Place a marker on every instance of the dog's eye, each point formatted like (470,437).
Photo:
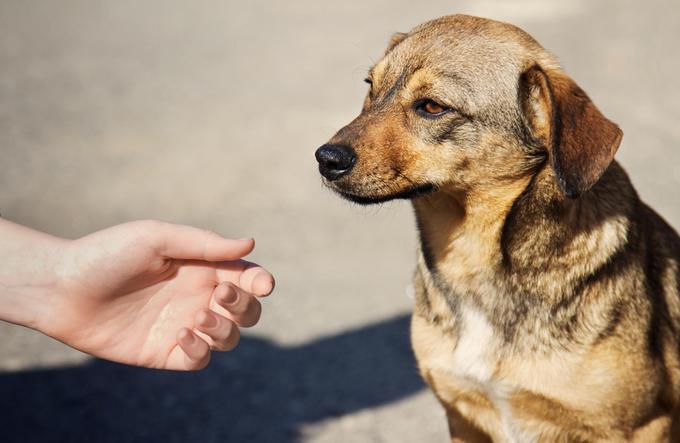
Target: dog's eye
(369,81)
(430,108)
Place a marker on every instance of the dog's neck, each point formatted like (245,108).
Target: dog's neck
(489,246)
(460,232)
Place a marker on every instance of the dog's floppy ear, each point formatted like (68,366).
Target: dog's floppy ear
(559,115)
(396,38)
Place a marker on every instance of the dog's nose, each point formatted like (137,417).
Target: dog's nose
(335,160)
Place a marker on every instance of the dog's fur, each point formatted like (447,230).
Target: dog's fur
(547,303)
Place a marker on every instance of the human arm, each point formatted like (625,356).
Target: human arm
(144,293)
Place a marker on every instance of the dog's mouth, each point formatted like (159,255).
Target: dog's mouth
(411,192)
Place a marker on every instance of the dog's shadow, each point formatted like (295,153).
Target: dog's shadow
(260,392)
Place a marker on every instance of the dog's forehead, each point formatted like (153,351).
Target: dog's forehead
(471,74)
(464,55)
(473,32)
(483,57)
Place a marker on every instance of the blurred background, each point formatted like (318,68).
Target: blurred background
(208,113)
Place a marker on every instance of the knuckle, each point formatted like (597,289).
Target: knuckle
(210,233)
(146,225)
(146,231)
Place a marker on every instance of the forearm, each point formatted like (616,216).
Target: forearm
(28,264)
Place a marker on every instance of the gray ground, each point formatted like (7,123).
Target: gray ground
(208,113)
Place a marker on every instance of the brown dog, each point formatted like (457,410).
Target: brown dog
(547,292)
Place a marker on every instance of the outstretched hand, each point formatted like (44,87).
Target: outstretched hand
(155,294)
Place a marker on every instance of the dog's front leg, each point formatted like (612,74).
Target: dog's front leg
(462,430)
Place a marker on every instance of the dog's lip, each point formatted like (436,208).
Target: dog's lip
(408,193)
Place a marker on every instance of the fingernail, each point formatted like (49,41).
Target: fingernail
(187,337)
(208,320)
(230,296)
(245,239)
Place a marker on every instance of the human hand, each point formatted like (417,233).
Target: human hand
(154,294)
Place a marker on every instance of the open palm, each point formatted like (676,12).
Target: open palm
(156,295)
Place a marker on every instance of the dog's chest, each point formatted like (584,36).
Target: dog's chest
(471,357)
(465,364)
(476,351)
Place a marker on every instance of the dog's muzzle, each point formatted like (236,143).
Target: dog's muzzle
(335,160)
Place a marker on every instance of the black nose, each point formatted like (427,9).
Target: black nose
(335,160)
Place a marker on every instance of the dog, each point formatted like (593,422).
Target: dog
(547,294)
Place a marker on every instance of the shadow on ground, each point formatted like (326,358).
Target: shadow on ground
(259,393)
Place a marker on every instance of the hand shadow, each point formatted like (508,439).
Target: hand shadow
(260,392)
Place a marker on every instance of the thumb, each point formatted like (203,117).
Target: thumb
(187,242)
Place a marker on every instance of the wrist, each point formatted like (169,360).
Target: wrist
(29,277)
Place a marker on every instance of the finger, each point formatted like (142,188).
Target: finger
(222,333)
(250,277)
(196,350)
(187,242)
(243,308)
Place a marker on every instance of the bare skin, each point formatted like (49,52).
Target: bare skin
(144,293)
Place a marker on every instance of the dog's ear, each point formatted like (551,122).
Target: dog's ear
(396,38)
(560,116)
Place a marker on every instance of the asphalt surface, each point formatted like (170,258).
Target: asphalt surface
(208,113)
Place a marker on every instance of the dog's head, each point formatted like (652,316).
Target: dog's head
(462,102)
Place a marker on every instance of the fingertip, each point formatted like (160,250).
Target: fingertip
(191,243)
(196,350)
(231,336)
(197,365)
(234,249)
(263,284)
(248,243)
(225,294)
(184,337)
(252,314)
(205,320)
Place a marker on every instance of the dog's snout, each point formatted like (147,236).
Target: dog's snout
(335,160)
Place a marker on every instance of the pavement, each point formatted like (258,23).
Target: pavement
(208,113)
